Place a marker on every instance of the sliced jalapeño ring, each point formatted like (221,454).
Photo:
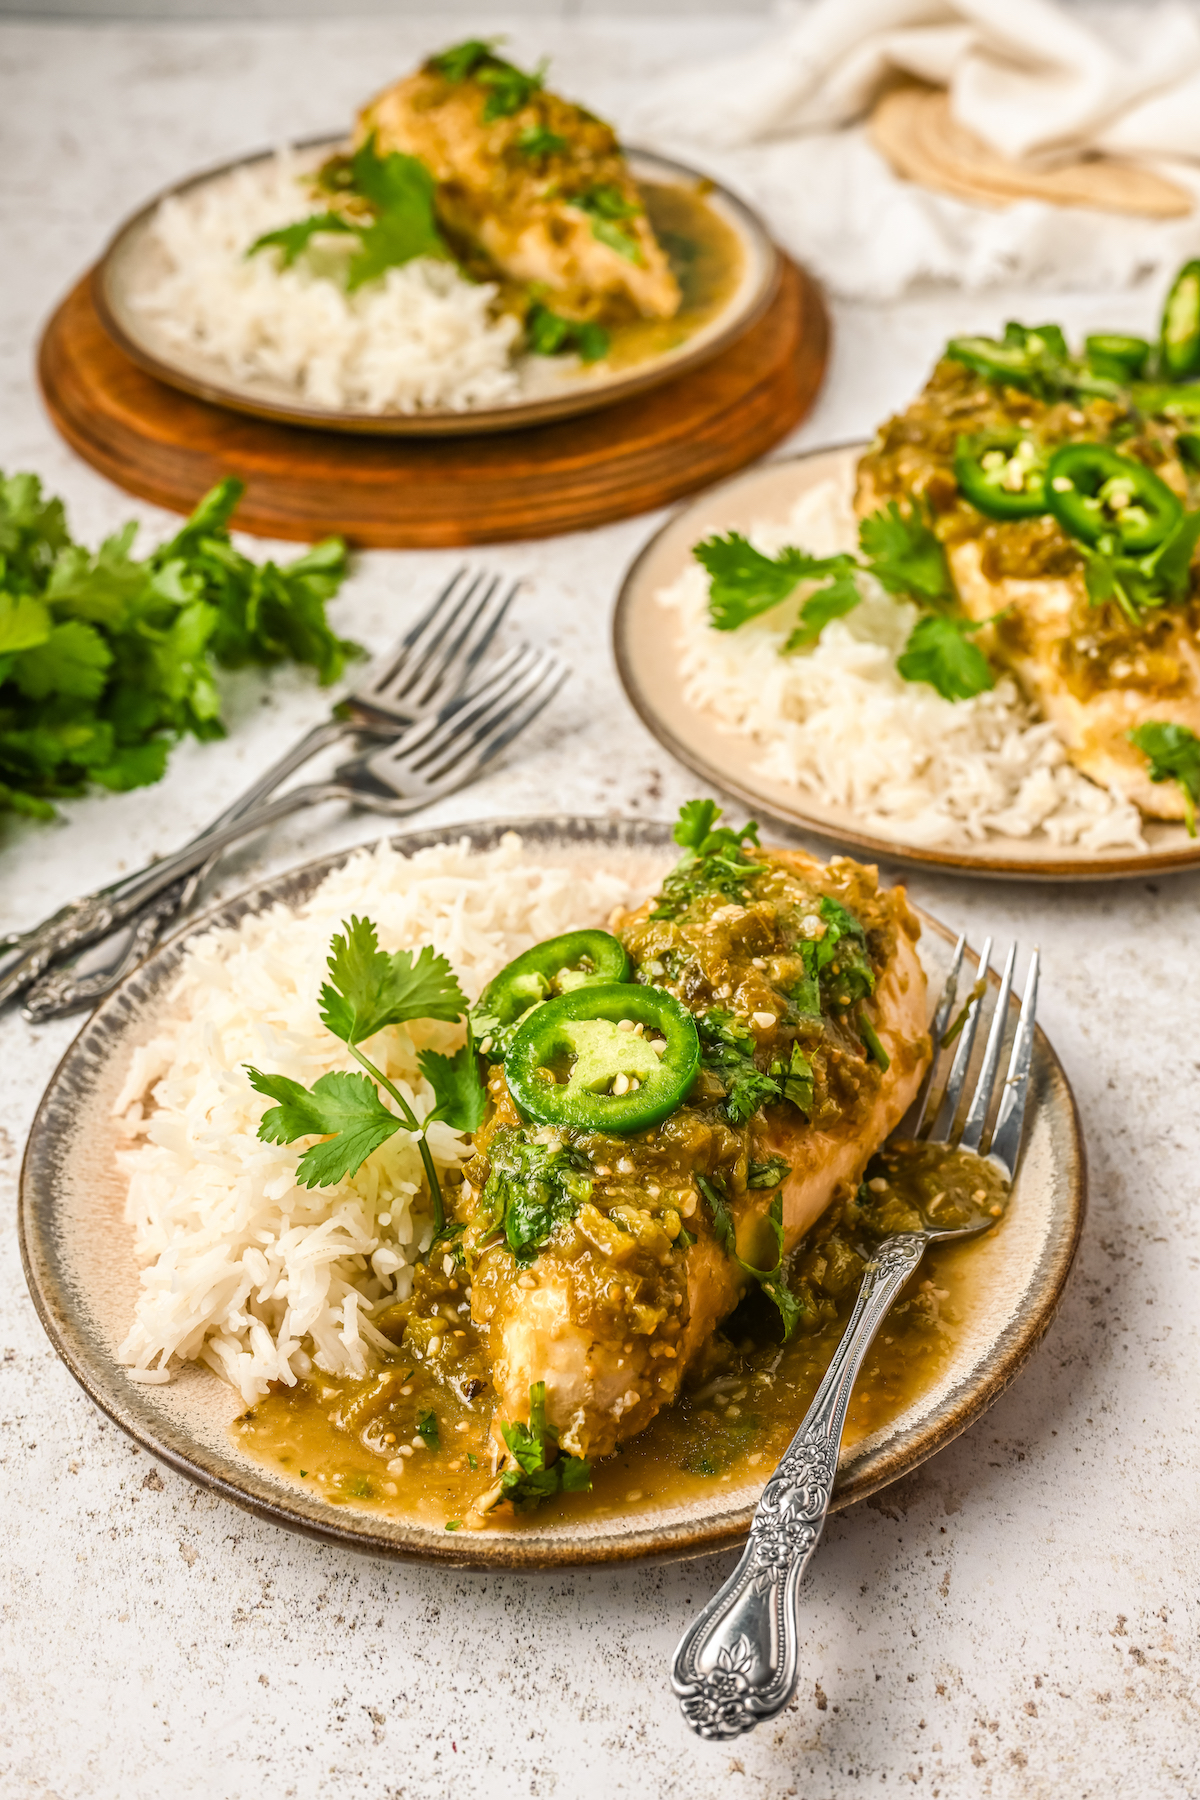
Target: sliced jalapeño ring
(556,966)
(581,1062)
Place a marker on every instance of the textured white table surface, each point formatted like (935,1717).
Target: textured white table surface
(1018,1618)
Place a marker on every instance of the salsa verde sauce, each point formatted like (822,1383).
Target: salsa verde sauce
(413,1438)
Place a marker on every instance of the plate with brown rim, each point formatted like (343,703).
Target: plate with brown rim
(726,264)
(77,1253)
(646,642)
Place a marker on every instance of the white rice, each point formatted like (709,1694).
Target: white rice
(842,724)
(422,336)
(241,1268)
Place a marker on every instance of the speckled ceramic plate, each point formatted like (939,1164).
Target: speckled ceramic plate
(733,287)
(80,1268)
(646,643)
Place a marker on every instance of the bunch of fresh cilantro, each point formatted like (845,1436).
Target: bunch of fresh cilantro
(367,991)
(901,550)
(105,660)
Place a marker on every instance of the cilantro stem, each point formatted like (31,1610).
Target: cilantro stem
(418,1130)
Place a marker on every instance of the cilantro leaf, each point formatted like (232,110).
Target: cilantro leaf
(509,88)
(539,140)
(549,334)
(839,597)
(293,240)
(459,1094)
(533,1478)
(427,1428)
(743,582)
(401,188)
(939,651)
(24,623)
(713,858)
(772,1281)
(1174,755)
(460,61)
(73,660)
(398,189)
(767,1174)
(606,205)
(344,1108)
(798,1082)
(727,1048)
(531,1189)
(904,554)
(368,988)
(696,820)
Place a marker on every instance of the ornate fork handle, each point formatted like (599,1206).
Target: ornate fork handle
(95,915)
(737,1664)
(63,989)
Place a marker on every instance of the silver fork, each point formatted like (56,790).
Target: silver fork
(437,658)
(431,758)
(737,1663)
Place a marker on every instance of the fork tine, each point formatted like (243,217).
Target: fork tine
(494,743)
(943,1125)
(379,680)
(981,1100)
(476,743)
(1010,1120)
(913,1119)
(431,735)
(447,670)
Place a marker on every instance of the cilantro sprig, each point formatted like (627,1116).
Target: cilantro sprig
(106,660)
(714,858)
(532,1478)
(1137,584)
(773,1281)
(397,191)
(1173,753)
(508,88)
(900,548)
(368,990)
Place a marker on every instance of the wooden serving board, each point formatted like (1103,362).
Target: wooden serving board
(392,493)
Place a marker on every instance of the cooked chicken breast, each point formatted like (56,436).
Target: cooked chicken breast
(568,219)
(616,1309)
(1089,671)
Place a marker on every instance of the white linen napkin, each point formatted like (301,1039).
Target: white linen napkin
(783,123)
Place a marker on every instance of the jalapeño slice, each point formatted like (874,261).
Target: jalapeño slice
(1002,473)
(1179,340)
(1116,355)
(557,966)
(1095,493)
(580,1062)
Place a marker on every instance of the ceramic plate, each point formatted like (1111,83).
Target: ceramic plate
(645,637)
(80,1268)
(727,288)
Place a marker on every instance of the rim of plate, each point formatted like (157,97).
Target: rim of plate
(754,295)
(1171,850)
(145,1413)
